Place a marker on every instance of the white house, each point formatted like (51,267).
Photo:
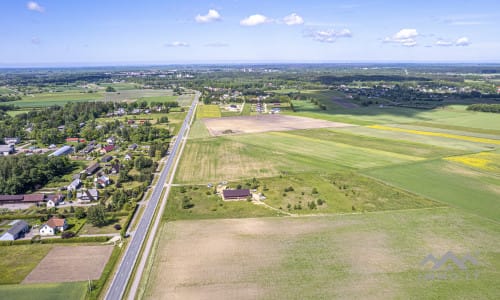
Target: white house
(53,226)
(102,181)
(128,156)
(54,200)
(87,196)
(74,185)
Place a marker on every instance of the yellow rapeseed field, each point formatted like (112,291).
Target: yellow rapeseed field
(484,160)
(439,134)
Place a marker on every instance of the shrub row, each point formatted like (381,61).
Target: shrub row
(85,239)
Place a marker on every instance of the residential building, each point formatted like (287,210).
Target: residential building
(132,147)
(11,140)
(107,158)
(53,226)
(7,149)
(74,185)
(87,196)
(102,181)
(128,156)
(53,200)
(111,140)
(90,170)
(231,195)
(64,150)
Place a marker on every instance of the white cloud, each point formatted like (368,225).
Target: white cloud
(444,43)
(217,45)
(330,35)
(463,41)
(254,20)
(32,5)
(293,19)
(405,37)
(177,44)
(211,16)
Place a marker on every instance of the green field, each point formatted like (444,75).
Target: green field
(48,291)
(449,183)
(356,256)
(209,206)
(208,111)
(198,130)
(18,261)
(159,99)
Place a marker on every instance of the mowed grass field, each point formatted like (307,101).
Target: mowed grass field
(19,260)
(48,291)
(208,111)
(357,256)
(270,154)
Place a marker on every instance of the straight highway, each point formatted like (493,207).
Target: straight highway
(124,272)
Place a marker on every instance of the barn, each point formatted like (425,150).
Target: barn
(234,195)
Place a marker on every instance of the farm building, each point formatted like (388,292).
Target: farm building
(34,198)
(19,199)
(64,150)
(90,170)
(234,195)
(16,231)
(53,226)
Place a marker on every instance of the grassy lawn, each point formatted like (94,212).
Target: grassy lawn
(46,291)
(209,206)
(208,111)
(448,182)
(88,228)
(339,193)
(170,98)
(18,261)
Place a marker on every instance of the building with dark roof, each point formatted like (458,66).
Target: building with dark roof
(92,169)
(232,195)
(15,232)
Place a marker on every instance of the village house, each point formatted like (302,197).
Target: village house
(53,200)
(11,140)
(90,170)
(7,149)
(74,185)
(107,149)
(102,181)
(132,147)
(17,231)
(107,158)
(115,169)
(111,140)
(128,156)
(87,196)
(53,226)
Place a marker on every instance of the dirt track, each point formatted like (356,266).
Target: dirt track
(263,123)
(71,263)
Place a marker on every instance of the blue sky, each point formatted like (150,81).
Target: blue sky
(55,32)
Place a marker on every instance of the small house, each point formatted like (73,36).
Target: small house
(234,195)
(87,196)
(111,140)
(115,169)
(107,158)
(128,156)
(11,140)
(107,149)
(53,200)
(16,231)
(102,181)
(132,147)
(53,226)
(74,185)
(90,170)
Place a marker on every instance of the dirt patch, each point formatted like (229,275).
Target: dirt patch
(344,103)
(71,263)
(264,123)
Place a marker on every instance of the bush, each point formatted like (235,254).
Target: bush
(67,234)
(118,226)
(314,191)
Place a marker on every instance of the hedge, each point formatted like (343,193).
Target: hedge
(83,239)
(125,226)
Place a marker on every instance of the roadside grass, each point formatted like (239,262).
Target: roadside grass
(209,206)
(19,260)
(88,228)
(208,111)
(340,192)
(46,291)
(447,182)
(198,130)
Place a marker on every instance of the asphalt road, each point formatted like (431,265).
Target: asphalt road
(122,275)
